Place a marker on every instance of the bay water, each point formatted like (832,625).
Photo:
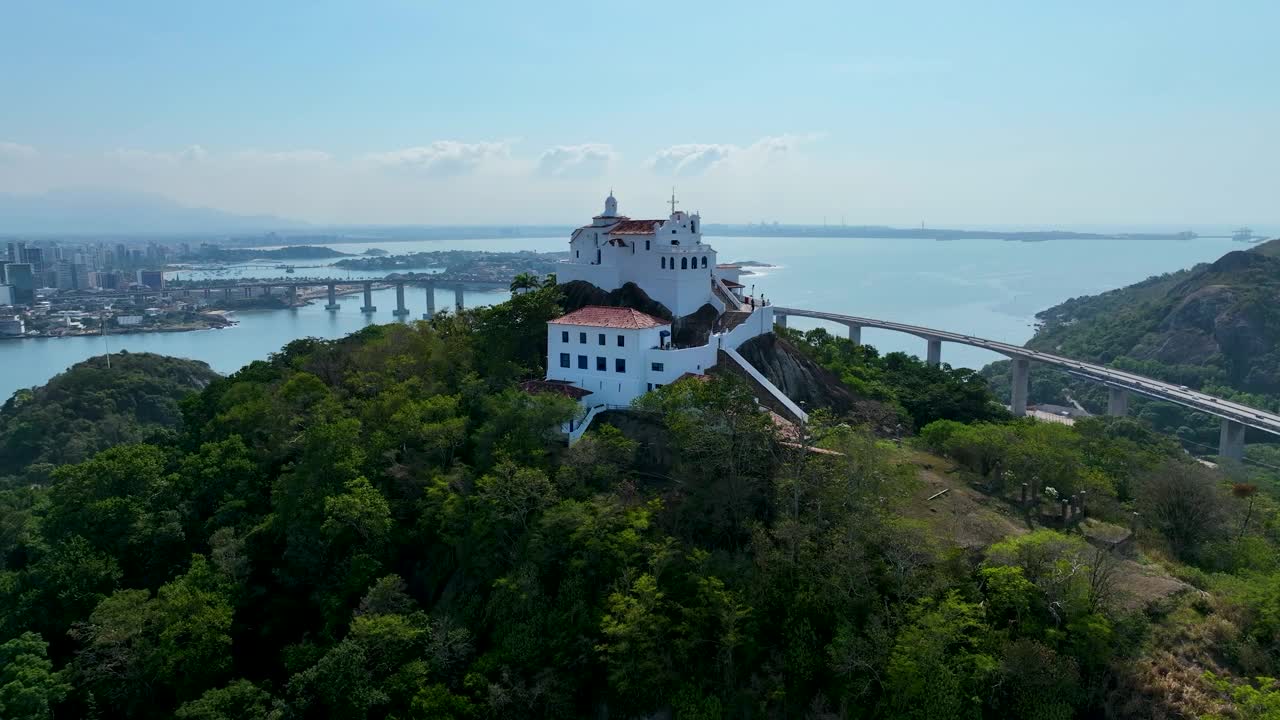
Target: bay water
(985,288)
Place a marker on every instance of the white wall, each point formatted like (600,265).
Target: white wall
(696,360)
(608,387)
(759,323)
(604,277)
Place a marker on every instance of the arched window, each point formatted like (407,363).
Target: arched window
(684,263)
(704,261)
(693,226)
(664,263)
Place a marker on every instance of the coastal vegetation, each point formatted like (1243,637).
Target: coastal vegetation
(385,526)
(500,265)
(228,254)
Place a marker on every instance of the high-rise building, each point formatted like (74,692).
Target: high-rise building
(19,275)
(6,295)
(81,273)
(33,256)
(105,280)
(153,279)
(64,276)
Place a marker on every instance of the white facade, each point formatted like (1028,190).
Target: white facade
(617,354)
(666,258)
(617,365)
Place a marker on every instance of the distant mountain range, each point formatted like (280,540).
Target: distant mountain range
(106,212)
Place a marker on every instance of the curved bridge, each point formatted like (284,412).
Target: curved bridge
(1235,417)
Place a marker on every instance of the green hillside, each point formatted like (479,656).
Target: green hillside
(1214,327)
(89,408)
(387,526)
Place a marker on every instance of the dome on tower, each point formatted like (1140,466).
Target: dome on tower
(610,206)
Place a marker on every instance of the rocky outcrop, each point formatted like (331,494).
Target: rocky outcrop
(579,294)
(688,331)
(814,387)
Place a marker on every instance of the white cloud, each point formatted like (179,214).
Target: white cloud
(442,157)
(282,157)
(186,156)
(697,158)
(14,152)
(689,159)
(588,160)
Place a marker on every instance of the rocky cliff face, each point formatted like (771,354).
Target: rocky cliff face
(814,387)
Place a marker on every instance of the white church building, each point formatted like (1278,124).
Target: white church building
(608,356)
(666,258)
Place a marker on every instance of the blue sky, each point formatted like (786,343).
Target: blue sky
(1009,113)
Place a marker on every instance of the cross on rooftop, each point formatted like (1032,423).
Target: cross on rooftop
(673,201)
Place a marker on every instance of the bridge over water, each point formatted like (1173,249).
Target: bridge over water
(290,287)
(1235,417)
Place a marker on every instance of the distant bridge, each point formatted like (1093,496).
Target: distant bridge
(266,288)
(1235,417)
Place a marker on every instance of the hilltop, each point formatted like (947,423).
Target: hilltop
(1223,317)
(1214,327)
(90,408)
(392,525)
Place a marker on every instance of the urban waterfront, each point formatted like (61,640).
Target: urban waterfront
(986,288)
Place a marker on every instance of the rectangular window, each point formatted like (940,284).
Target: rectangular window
(582,338)
(656,367)
(651,386)
(619,365)
(602,365)
(564,336)
(646,244)
(622,341)
(564,359)
(601,339)
(582,362)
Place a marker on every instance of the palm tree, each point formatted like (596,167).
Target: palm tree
(549,281)
(524,282)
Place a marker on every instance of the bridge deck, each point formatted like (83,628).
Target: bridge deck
(1142,385)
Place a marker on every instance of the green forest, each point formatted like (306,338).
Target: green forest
(384,526)
(94,405)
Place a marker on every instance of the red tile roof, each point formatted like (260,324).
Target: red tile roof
(560,387)
(634,227)
(730,283)
(620,318)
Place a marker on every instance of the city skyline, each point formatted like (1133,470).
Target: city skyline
(408,113)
